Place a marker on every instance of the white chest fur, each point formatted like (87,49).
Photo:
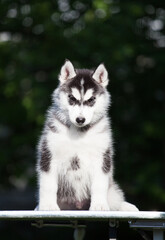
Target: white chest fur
(77,155)
(69,142)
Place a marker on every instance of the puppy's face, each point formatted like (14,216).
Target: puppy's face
(83,93)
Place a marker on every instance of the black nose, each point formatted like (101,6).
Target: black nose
(80,120)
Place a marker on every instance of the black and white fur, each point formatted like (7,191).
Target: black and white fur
(75,152)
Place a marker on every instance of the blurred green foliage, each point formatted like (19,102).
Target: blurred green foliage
(129,37)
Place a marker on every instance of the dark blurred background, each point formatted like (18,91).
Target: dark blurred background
(35,39)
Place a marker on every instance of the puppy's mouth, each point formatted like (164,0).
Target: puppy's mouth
(83,128)
(80,125)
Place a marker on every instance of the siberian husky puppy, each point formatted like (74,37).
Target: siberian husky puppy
(75,151)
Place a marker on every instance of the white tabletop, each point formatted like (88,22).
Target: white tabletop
(81,215)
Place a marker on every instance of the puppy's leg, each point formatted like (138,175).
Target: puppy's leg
(99,189)
(48,191)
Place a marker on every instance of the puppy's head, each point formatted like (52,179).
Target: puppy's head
(83,93)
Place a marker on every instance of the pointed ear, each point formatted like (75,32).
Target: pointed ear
(100,75)
(67,72)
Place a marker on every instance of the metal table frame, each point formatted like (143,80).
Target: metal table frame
(143,220)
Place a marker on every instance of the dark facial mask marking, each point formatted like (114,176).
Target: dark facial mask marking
(90,102)
(73,101)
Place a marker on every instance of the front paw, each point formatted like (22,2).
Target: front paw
(48,207)
(99,207)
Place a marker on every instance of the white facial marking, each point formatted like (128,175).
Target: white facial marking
(82,87)
(88,94)
(76,93)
